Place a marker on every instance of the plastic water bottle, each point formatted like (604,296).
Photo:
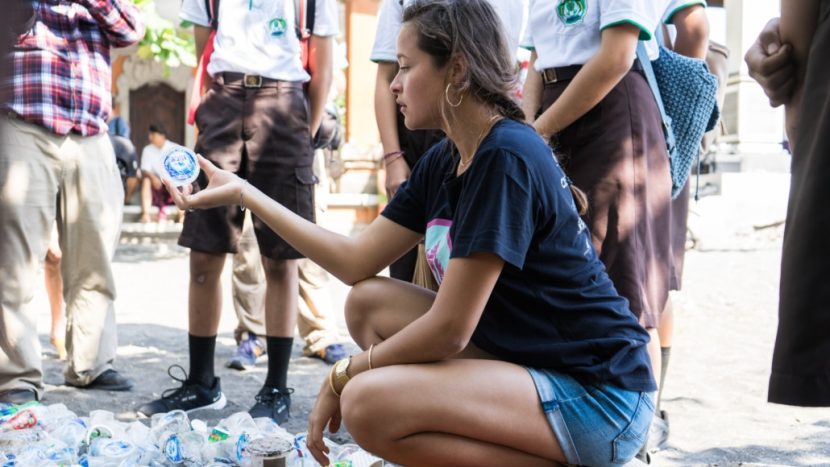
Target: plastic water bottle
(180,165)
(105,452)
(71,433)
(240,422)
(13,441)
(180,448)
(175,421)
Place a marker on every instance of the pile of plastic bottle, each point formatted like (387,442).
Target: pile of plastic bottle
(33,434)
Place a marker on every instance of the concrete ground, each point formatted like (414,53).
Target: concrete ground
(716,387)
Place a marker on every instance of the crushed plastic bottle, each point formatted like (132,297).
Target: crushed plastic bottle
(183,448)
(35,434)
(107,452)
(175,421)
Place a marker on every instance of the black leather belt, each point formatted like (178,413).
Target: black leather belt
(567,73)
(562,73)
(231,78)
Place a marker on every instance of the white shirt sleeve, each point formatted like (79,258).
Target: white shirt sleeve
(678,5)
(645,14)
(386,36)
(326,18)
(526,41)
(195,12)
(148,159)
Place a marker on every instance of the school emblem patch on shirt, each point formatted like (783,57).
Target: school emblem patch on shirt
(571,12)
(277,27)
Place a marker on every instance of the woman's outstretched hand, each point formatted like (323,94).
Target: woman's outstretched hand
(224,188)
(326,411)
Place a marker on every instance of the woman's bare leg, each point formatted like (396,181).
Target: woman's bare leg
(379,307)
(454,413)
(411,414)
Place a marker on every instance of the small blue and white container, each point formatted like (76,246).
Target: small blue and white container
(180,165)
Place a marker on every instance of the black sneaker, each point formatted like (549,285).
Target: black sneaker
(272,403)
(190,396)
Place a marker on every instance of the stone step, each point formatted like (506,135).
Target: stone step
(344,212)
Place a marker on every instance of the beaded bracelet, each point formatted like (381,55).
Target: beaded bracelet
(242,195)
(392,156)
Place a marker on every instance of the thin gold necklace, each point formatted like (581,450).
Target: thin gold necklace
(462,164)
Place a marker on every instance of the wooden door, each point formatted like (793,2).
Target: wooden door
(156,103)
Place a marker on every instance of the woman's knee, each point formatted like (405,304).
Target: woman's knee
(362,407)
(360,304)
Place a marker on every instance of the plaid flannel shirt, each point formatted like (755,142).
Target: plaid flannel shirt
(61,76)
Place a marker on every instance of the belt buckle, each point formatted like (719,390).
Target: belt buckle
(252,81)
(549,76)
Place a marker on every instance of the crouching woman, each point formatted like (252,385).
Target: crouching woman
(526,355)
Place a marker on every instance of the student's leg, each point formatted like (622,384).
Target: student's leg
(314,322)
(54,292)
(146,197)
(411,415)
(666,334)
(280,317)
(132,185)
(248,290)
(248,284)
(91,203)
(204,309)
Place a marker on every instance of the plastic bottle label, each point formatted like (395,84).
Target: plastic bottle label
(180,164)
(240,446)
(173,450)
(217,435)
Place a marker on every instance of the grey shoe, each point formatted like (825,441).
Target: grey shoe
(109,380)
(18,396)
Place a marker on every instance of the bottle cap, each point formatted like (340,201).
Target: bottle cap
(180,165)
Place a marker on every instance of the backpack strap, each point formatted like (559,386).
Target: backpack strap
(642,55)
(306,12)
(212,8)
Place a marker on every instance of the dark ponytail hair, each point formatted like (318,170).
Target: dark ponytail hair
(472,30)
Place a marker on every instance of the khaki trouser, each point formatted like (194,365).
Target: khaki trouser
(316,326)
(74,181)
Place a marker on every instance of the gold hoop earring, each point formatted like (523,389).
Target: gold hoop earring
(447,97)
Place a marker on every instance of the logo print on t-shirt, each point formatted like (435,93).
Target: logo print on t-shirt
(571,12)
(277,27)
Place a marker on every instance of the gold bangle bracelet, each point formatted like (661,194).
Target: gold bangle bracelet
(371,348)
(331,383)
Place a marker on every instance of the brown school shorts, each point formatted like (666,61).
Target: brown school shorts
(259,130)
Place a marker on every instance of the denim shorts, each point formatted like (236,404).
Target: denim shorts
(595,425)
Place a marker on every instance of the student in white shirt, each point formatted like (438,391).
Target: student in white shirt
(257,119)
(403,148)
(684,29)
(589,96)
(152,191)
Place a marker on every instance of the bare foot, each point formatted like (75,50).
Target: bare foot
(60,346)
(145,218)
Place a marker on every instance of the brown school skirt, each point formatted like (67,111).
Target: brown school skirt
(616,153)
(262,135)
(801,359)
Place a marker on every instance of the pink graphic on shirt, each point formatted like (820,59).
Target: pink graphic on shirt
(438,246)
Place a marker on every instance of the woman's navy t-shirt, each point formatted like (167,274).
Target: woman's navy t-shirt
(553,306)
